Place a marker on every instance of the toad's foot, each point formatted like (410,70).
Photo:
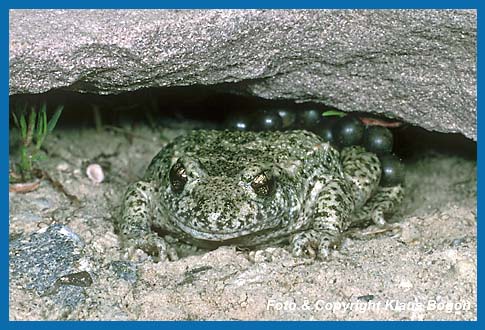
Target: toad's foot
(313,244)
(383,202)
(153,245)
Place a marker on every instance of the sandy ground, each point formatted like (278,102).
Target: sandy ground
(425,269)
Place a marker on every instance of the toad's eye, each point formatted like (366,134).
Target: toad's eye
(178,177)
(263,184)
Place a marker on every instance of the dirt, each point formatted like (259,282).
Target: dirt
(425,268)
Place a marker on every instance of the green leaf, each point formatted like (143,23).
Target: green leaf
(45,127)
(20,110)
(40,130)
(32,117)
(23,127)
(44,123)
(31,127)
(39,123)
(333,113)
(53,121)
(15,120)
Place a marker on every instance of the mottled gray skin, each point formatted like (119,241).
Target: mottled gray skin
(311,193)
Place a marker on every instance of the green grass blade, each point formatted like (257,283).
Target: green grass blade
(42,118)
(40,129)
(44,123)
(53,121)
(15,120)
(333,113)
(31,127)
(21,109)
(32,117)
(23,127)
(40,122)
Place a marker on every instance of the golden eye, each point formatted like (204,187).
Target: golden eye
(178,177)
(263,184)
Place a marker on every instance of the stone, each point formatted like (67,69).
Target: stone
(418,66)
(50,262)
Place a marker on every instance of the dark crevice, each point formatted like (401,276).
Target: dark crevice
(208,107)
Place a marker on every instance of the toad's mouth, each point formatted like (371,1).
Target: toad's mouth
(219,235)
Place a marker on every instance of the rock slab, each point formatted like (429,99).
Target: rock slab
(414,65)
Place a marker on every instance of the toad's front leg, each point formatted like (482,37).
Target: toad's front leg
(134,225)
(332,210)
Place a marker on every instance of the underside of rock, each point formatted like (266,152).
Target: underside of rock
(418,66)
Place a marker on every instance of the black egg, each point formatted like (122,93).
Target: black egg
(288,117)
(392,170)
(267,120)
(348,131)
(325,129)
(378,140)
(308,118)
(238,123)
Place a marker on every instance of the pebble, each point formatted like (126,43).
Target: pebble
(95,173)
(62,167)
(41,260)
(406,284)
(42,204)
(409,233)
(466,269)
(125,270)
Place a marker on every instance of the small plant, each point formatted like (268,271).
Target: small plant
(336,113)
(33,130)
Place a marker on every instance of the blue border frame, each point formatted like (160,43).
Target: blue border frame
(333,4)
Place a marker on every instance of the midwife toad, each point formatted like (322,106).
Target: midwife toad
(213,188)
